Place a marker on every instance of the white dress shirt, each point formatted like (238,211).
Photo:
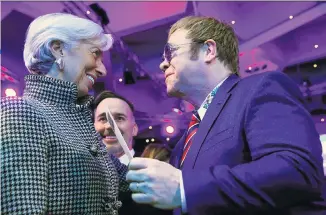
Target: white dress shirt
(124,158)
(201,113)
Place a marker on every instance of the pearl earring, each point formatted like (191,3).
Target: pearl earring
(60,63)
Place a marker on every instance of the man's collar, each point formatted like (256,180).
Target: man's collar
(202,110)
(124,158)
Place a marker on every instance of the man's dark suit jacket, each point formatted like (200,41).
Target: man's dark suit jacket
(256,152)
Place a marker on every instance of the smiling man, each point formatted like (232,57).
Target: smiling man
(251,146)
(122,111)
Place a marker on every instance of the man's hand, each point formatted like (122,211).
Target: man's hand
(154,182)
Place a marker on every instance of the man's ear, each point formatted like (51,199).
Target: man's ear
(210,52)
(135,130)
(57,49)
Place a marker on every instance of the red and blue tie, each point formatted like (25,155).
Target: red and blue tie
(192,129)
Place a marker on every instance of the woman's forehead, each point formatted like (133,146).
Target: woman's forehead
(89,43)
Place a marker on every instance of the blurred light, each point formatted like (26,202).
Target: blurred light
(167,139)
(152,139)
(10,79)
(169,129)
(147,140)
(176,110)
(249,67)
(10,92)
(291,17)
(88,12)
(322,119)
(233,22)
(316,46)
(315,65)
(150,127)
(4,69)
(3,76)
(120,79)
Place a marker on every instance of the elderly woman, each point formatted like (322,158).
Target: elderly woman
(52,161)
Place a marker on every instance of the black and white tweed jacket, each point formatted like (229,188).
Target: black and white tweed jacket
(52,159)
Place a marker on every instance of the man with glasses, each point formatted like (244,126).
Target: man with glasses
(251,146)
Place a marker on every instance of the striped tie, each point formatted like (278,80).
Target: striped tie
(192,129)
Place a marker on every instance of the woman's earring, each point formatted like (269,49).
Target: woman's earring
(60,63)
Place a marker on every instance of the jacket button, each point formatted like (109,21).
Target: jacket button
(117,205)
(94,149)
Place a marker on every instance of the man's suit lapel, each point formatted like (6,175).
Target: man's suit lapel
(213,111)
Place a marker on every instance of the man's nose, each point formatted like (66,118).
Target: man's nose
(107,125)
(164,65)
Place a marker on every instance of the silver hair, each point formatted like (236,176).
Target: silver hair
(68,29)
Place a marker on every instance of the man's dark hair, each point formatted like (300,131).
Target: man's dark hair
(109,94)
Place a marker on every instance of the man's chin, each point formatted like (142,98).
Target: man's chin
(175,93)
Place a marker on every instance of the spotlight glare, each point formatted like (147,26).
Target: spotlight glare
(175,110)
(10,92)
(169,129)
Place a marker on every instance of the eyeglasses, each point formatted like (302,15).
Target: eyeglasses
(169,50)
